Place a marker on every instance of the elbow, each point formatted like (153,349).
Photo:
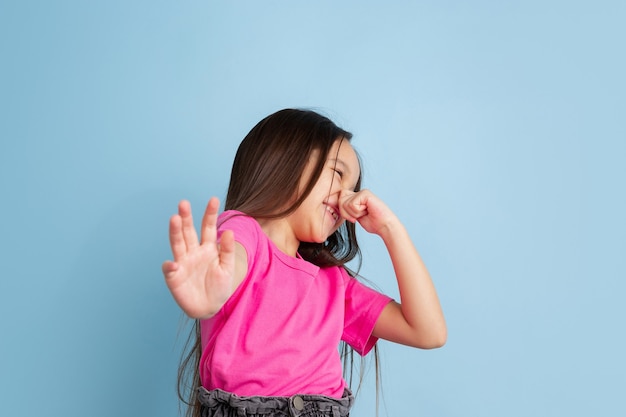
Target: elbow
(438,334)
(433,339)
(438,340)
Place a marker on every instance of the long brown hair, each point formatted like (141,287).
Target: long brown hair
(265,177)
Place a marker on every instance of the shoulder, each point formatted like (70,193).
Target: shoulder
(240,223)
(247,231)
(360,293)
(231,218)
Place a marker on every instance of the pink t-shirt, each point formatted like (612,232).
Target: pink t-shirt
(278,334)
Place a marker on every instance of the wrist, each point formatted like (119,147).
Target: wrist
(392,228)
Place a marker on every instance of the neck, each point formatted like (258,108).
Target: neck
(279,232)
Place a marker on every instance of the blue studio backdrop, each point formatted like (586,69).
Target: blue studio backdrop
(496,130)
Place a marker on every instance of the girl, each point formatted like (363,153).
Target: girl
(267,282)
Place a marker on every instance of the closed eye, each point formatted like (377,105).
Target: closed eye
(339,172)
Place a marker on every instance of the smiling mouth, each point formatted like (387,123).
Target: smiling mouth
(333,213)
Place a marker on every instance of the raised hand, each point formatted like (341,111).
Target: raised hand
(201,276)
(363,206)
(418,321)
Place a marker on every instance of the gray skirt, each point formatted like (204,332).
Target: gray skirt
(218,403)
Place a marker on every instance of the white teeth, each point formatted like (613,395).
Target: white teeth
(332,212)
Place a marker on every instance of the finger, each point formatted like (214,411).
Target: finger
(343,210)
(177,241)
(209,221)
(346,215)
(227,250)
(353,206)
(344,196)
(346,193)
(189,231)
(168,268)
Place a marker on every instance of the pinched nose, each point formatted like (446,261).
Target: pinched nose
(345,193)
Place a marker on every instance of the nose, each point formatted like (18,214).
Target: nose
(337,194)
(345,192)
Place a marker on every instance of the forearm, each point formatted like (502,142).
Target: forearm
(419,301)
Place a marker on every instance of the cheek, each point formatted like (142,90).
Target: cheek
(325,186)
(341,222)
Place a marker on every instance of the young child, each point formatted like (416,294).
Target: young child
(267,282)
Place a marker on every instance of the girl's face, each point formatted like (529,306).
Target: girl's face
(318,217)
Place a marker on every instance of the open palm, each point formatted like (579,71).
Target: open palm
(200,277)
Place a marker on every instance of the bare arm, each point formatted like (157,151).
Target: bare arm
(418,321)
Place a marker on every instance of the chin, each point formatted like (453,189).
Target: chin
(314,239)
(320,240)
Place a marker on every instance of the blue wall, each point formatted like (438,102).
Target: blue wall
(496,131)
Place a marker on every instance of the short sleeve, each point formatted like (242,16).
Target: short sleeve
(245,229)
(363,306)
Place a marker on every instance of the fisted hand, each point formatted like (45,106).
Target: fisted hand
(367,209)
(201,276)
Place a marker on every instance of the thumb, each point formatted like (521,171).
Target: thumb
(227,250)
(353,205)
